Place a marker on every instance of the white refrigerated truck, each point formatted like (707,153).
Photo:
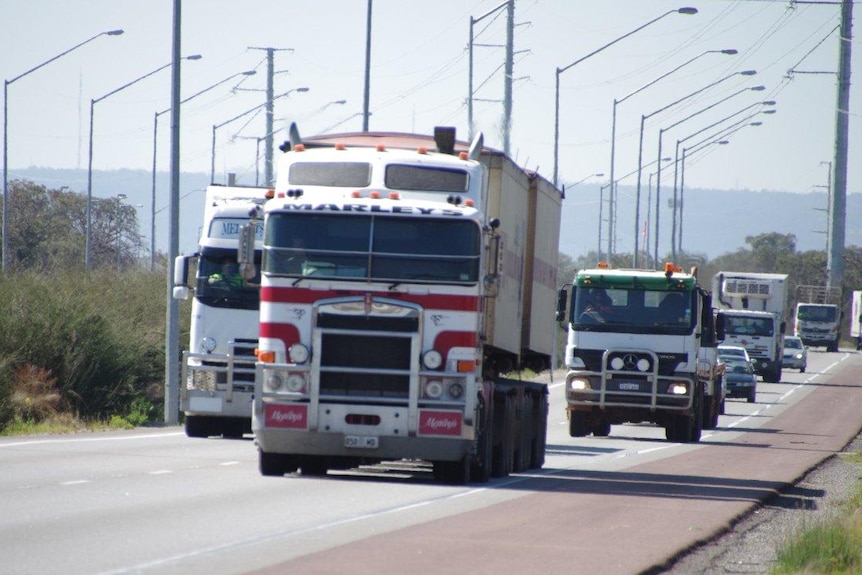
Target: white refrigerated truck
(754,309)
(217,379)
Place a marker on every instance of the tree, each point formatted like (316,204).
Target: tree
(48,227)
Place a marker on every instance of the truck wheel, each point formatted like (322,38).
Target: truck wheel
(710,415)
(540,421)
(504,425)
(832,347)
(314,465)
(523,439)
(602,428)
(197,426)
(480,469)
(802,369)
(275,464)
(577,424)
(752,394)
(454,472)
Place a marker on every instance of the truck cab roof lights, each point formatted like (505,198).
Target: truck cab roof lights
(394,196)
(299,148)
(340,146)
(270,193)
(463,156)
(381,148)
(355,194)
(422,150)
(603,266)
(374,195)
(469,203)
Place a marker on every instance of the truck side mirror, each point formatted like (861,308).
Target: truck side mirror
(181,274)
(719,327)
(562,301)
(245,250)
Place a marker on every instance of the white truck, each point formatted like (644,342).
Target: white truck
(642,347)
(754,309)
(217,379)
(402,278)
(817,316)
(856,318)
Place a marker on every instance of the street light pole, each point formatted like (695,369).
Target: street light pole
(88,255)
(641,143)
(559,71)
(6,84)
(237,117)
(727,51)
(722,133)
(155,144)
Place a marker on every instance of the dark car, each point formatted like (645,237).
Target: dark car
(740,379)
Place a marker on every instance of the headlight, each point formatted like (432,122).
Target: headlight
(432,359)
(295,383)
(456,390)
(298,353)
(434,389)
(798,356)
(579,384)
(273,382)
(677,388)
(208,344)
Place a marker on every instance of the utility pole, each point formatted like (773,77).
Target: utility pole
(838,204)
(507,79)
(270,91)
(366,100)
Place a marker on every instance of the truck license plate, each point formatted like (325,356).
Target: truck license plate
(361,441)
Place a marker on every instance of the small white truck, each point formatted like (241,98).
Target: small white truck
(642,347)
(753,307)
(817,316)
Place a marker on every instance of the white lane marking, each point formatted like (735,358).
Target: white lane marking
(88,439)
(161,472)
(75,482)
(227,463)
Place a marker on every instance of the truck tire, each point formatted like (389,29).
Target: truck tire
(602,428)
(197,426)
(504,449)
(314,465)
(275,464)
(577,424)
(480,469)
(524,434)
(832,346)
(752,395)
(540,422)
(454,472)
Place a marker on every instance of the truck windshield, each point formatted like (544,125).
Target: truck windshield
(372,248)
(816,313)
(219,283)
(737,325)
(633,311)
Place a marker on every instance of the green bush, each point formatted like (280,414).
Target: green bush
(95,340)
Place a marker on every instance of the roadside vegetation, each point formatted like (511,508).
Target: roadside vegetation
(831,546)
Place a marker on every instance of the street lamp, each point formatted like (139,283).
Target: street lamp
(722,133)
(719,137)
(581,181)
(6,84)
(640,151)
(93,102)
(611,206)
(155,144)
(237,117)
(559,71)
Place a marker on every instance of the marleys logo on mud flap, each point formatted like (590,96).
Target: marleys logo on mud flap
(288,416)
(440,423)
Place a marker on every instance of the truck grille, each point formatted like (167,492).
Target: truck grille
(366,356)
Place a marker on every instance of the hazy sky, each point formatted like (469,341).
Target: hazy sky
(419,79)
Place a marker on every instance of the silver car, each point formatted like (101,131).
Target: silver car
(795,354)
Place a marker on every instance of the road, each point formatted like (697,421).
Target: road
(154,501)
